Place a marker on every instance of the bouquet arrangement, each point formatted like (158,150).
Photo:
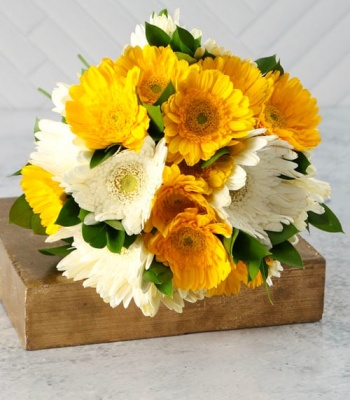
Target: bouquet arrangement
(176,172)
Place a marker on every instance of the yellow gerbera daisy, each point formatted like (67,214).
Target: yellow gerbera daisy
(244,76)
(44,195)
(158,65)
(215,175)
(177,193)
(205,114)
(292,114)
(104,109)
(193,251)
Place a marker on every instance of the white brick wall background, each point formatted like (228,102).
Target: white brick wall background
(40,39)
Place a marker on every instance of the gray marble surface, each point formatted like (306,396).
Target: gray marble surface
(307,361)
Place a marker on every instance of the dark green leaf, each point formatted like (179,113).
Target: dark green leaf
(69,214)
(21,213)
(182,41)
(163,12)
(158,273)
(156,36)
(95,235)
(60,251)
(19,172)
(215,157)
(279,237)
(155,115)
(167,92)
(251,251)
(287,254)
(166,288)
(129,240)
(115,240)
(267,64)
(327,221)
(102,155)
(303,162)
(82,214)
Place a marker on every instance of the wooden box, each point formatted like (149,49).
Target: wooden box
(48,310)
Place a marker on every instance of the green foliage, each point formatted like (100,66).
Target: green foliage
(161,276)
(186,57)
(167,92)
(69,214)
(215,157)
(279,237)
(156,121)
(102,155)
(287,254)
(156,36)
(327,221)
(22,214)
(268,64)
(60,251)
(303,163)
(228,242)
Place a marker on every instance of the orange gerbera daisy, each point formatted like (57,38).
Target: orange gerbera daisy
(292,114)
(44,195)
(205,114)
(104,109)
(193,251)
(177,193)
(244,76)
(158,65)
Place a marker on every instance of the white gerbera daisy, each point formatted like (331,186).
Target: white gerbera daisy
(122,187)
(267,201)
(275,269)
(212,47)
(60,96)
(163,21)
(117,277)
(58,150)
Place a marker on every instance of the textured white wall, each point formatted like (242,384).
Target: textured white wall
(39,39)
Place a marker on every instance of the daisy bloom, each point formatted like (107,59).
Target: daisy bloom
(275,269)
(267,200)
(43,194)
(104,109)
(177,193)
(60,96)
(158,66)
(117,277)
(211,47)
(244,76)
(54,139)
(122,187)
(292,114)
(205,114)
(193,250)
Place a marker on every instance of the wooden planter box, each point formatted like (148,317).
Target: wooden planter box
(48,310)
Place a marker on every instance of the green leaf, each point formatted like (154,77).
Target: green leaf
(251,251)
(95,235)
(156,36)
(287,254)
(19,172)
(60,251)
(186,57)
(327,221)
(215,157)
(102,155)
(129,240)
(44,92)
(303,163)
(37,227)
(21,213)
(84,62)
(115,240)
(267,64)
(155,115)
(167,92)
(82,214)
(69,214)
(115,224)
(166,288)
(229,242)
(279,237)
(183,41)
(36,128)
(163,12)
(158,273)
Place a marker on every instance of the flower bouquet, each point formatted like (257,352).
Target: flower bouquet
(176,172)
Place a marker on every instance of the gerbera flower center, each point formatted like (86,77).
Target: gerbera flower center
(201,117)
(187,240)
(151,88)
(127,182)
(275,116)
